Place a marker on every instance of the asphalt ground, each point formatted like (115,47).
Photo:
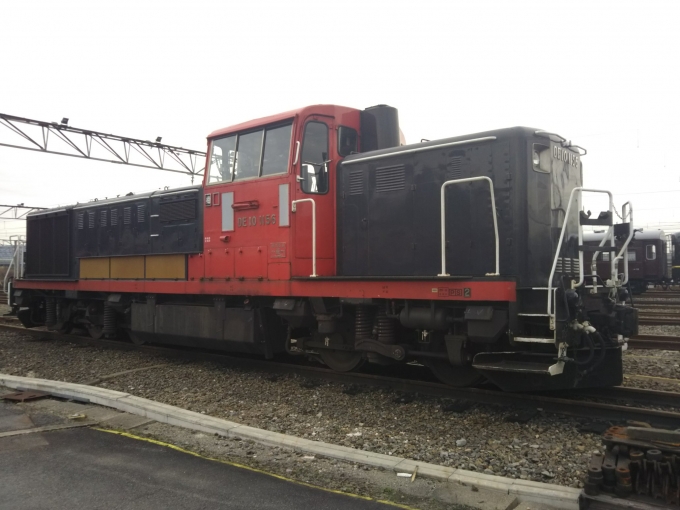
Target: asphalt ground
(95,469)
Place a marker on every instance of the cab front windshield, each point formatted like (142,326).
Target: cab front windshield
(249,155)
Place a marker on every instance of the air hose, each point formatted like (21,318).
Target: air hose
(591,351)
(600,358)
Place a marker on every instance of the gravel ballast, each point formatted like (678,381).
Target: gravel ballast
(470,436)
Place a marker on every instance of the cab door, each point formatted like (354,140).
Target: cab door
(314,194)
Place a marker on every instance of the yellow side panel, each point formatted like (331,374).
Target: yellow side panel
(127,268)
(94,268)
(166,267)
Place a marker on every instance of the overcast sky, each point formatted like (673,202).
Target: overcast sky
(603,74)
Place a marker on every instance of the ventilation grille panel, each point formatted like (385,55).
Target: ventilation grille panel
(454,169)
(127,215)
(356,182)
(90,219)
(178,210)
(141,213)
(81,221)
(567,265)
(102,218)
(389,178)
(114,217)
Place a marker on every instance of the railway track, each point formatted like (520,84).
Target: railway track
(573,403)
(663,342)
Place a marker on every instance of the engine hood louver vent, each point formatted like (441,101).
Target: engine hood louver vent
(356,183)
(389,178)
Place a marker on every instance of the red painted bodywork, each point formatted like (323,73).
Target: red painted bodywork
(273,260)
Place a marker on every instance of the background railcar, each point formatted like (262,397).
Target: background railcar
(317,233)
(648,259)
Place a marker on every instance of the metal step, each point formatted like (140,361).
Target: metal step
(517,362)
(526,367)
(533,340)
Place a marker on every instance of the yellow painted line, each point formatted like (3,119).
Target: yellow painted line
(249,468)
(669,358)
(634,376)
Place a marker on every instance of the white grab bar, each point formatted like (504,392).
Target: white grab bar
(443,219)
(293,209)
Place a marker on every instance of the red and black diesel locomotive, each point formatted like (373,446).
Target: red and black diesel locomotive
(316,233)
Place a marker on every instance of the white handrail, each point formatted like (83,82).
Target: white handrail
(443,219)
(579,191)
(16,264)
(293,209)
(631,233)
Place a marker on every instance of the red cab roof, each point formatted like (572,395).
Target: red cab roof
(319,109)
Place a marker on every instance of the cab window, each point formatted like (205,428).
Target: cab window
(314,160)
(220,169)
(276,150)
(249,155)
(651,252)
(347,141)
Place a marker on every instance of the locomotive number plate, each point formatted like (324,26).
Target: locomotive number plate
(252,221)
(454,293)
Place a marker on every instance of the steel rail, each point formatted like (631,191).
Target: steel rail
(657,313)
(628,394)
(657,321)
(558,405)
(662,342)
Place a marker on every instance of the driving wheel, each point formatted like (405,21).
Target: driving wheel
(459,376)
(95,332)
(341,361)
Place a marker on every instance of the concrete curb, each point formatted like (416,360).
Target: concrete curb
(543,493)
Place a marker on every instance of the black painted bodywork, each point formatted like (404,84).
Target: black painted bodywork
(160,222)
(389,209)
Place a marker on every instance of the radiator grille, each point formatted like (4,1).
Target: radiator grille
(389,178)
(178,210)
(356,182)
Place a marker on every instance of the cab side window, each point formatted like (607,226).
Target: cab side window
(651,252)
(314,166)
(347,141)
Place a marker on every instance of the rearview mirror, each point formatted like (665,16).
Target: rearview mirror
(309,178)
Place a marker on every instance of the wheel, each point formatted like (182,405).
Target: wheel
(95,332)
(135,339)
(459,376)
(64,328)
(341,361)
